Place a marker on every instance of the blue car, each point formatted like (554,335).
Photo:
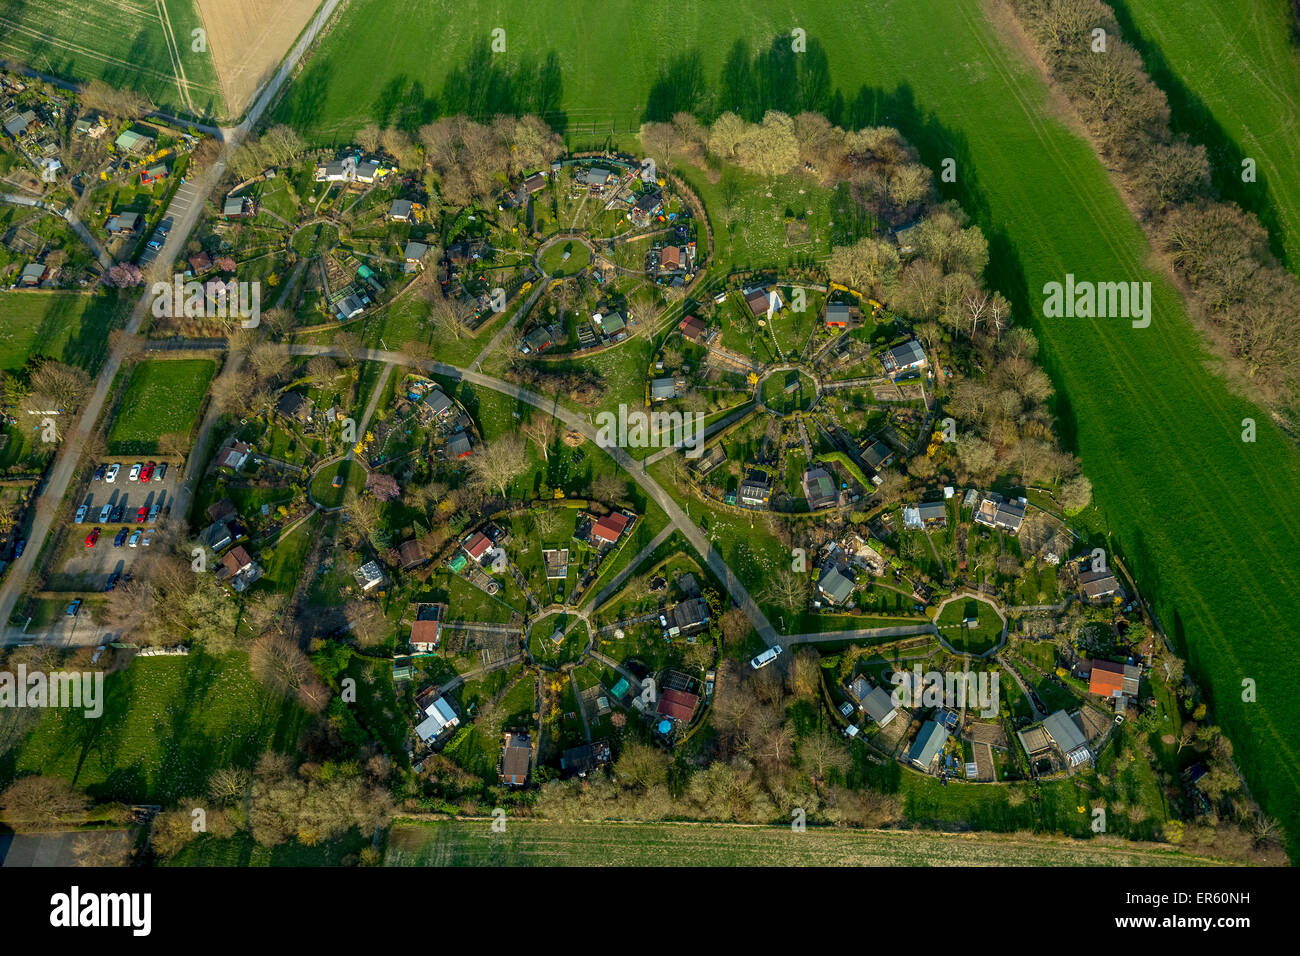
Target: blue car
(19,547)
(121,538)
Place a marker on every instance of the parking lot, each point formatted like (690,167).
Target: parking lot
(123,498)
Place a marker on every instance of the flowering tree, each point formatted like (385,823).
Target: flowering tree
(383,487)
(124,275)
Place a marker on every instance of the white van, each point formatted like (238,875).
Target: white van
(767,657)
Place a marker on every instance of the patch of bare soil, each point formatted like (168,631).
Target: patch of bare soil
(247,40)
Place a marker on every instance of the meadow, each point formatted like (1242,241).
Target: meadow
(69,327)
(168,723)
(1242,106)
(544,843)
(164,396)
(127,44)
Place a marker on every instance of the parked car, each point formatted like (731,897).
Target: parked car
(148,471)
(119,511)
(162,472)
(20,547)
(153,512)
(92,538)
(112,473)
(135,472)
(105,513)
(135,539)
(120,539)
(767,657)
(100,472)
(155,244)
(142,514)
(112,580)
(147,539)
(74,607)
(81,514)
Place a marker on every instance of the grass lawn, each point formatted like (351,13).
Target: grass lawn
(163,396)
(168,723)
(323,489)
(70,327)
(974,640)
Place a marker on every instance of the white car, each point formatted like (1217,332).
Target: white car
(147,539)
(135,472)
(135,539)
(767,657)
(112,473)
(81,514)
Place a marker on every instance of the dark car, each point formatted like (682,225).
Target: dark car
(99,472)
(162,472)
(112,580)
(120,539)
(20,547)
(118,511)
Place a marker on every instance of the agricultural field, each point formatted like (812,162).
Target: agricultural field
(145,45)
(538,843)
(168,722)
(1243,108)
(163,397)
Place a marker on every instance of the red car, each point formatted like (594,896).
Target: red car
(142,514)
(92,538)
(148,471)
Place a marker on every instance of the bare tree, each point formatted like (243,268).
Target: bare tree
(499,463)
(279,663)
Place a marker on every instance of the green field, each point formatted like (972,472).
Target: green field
(1243,107)
(168,722)
(164,396)
(540,843)
(69,327)
(127,43)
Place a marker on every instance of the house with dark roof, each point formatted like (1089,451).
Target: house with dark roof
(819,488)
(835,585)
(758,301)
(295,405)
(663,389)
(1066,736)
(837,315)
(902,358)
(670,258)
(688,617)
(516,758)
(435,406)
(995,512)
(200,263)
(33,274)
(1100,586)
(878,455)
(153,174)
(411,554)
(926,514)
(124,224)
(458,446)
(755,490)
(928,744)
(238,207)
(876,702)
(693,329)
(594,177)
(585,758)
(400,210)
(414,255)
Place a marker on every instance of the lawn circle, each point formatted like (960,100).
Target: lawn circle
(546,653)
(315,238)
